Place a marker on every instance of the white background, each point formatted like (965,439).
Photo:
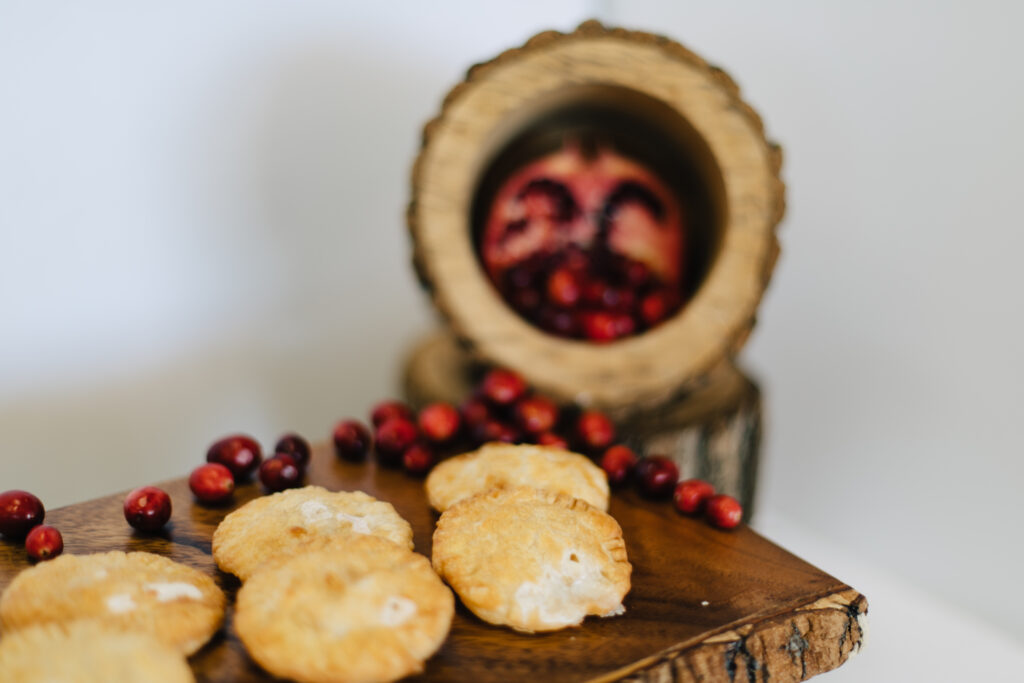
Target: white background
(201,232)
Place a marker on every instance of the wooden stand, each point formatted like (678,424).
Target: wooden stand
(713,432)
(668,94)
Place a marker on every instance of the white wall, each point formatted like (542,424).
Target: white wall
(201,231)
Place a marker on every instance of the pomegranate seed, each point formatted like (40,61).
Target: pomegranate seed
(691,495)
(280,472)
(603,327)
(147,508)
(536,414)
(637,274)
(239,453)
(495,430)
(552,439)
(559,322)
(418,459)
(595,431)
(563,288)
(212,483)
(474,412)
(44,543)
(521,277)
(387,410)
(502,387)
(657,306)
(526,301)
(439,422)
(393,438)
(618,463)
(724,512)
(295,446)
(351,440)
(657,476)
(19,512)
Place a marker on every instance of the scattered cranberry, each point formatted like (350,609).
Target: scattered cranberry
(393,438)
(495,430)
(295,446)
(503,387)
(351,440)
(19,512)
(280,472)
(212,483)
(595,431)
(536,414)
(474,412)
(552,439)
(147,508)
(691,495)
(387,410)
(239,453)
(618,463)
(724,512)
(563,288)
(657,476)
(418,459)
(439,422)
(44,543)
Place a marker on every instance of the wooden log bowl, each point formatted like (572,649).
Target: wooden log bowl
(712,433)
(674,111)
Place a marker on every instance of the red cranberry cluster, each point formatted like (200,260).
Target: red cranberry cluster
(501,409)
(595,295)
(21,519)
(236,457)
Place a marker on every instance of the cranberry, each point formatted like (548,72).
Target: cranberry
(536,414)
(386,410)
(503,387)
(44,543)
(147,508)
(595,431)
(495,430)
(474,411)
(618,463)
(212,483)
(280,472)
(418,459)
(238,452)
(657,476)
(19,512)
(439,422)
(724,512)
(552,439)
(563,288)
(691,495)
(393,438)
(295,446)
(351,440)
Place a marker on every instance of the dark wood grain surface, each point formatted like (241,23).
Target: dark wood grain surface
(705,604)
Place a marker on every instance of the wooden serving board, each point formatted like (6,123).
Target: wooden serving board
(706,605)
